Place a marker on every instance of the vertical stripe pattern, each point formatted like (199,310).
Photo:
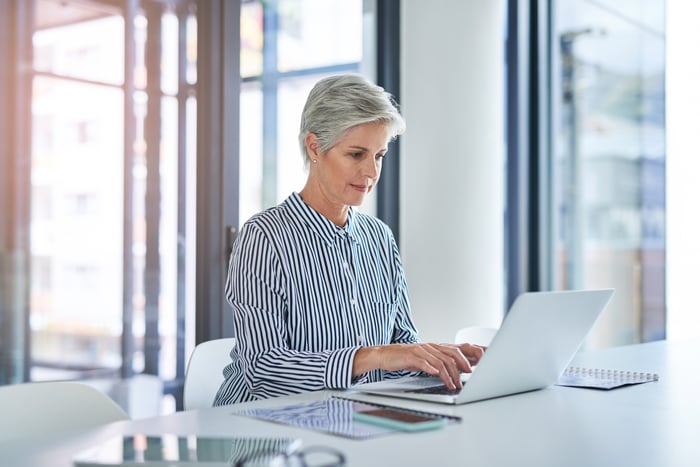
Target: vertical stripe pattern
(306,295)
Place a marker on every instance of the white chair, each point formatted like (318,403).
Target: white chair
(205,372)
(479,335)
(141,395)
(36,409)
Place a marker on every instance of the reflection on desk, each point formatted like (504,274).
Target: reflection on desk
(169,449)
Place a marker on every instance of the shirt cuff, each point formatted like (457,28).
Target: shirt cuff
(339,368)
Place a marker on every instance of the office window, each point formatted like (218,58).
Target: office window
(78,103)
(107,163)
(286,46)
(606,169)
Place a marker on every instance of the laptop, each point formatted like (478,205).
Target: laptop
(536,342)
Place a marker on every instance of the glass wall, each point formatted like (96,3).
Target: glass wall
(286,46)
(106,159)
(77,193)
(607,167)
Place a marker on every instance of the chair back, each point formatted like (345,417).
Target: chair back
(140,395)
(205,372)
(479,335)
(43,408)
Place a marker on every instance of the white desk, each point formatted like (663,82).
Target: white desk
(653,424)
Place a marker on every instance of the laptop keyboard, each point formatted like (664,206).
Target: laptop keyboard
(442,390)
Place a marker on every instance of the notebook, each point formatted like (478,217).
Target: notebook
(534,345)
(601,378)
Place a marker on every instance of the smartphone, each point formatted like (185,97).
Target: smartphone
(399,420)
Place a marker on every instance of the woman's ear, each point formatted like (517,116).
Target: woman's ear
(312,145)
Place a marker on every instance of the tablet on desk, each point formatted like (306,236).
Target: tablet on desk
(182,450)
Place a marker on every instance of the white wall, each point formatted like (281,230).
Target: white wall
(682,168)
(452,163)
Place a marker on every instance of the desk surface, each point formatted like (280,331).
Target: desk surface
(651,424)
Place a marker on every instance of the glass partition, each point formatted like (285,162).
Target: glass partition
(286,46)
(607,166)
(109,140)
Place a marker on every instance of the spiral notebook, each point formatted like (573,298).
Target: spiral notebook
(598,378)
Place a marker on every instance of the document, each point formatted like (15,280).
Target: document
(333,415)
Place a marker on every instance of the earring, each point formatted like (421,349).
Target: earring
(315,160)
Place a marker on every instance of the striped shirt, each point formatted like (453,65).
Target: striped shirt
(306,295)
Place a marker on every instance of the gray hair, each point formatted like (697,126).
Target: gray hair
(338,103)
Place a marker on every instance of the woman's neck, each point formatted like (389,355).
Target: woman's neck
(336,213)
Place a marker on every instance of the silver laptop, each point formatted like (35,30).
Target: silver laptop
(535,343)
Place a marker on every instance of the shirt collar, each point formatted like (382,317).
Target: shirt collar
(321,225)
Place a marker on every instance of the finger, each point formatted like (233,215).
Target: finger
(426,358)
(461,360)
(472,352)
(451,364)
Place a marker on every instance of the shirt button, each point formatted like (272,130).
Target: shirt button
(353,302)
(346,265)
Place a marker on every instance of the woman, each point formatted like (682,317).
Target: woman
(317,288)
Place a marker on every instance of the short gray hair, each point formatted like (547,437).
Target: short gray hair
(338,103)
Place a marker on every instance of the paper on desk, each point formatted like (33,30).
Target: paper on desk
(330,415)
(597,378)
